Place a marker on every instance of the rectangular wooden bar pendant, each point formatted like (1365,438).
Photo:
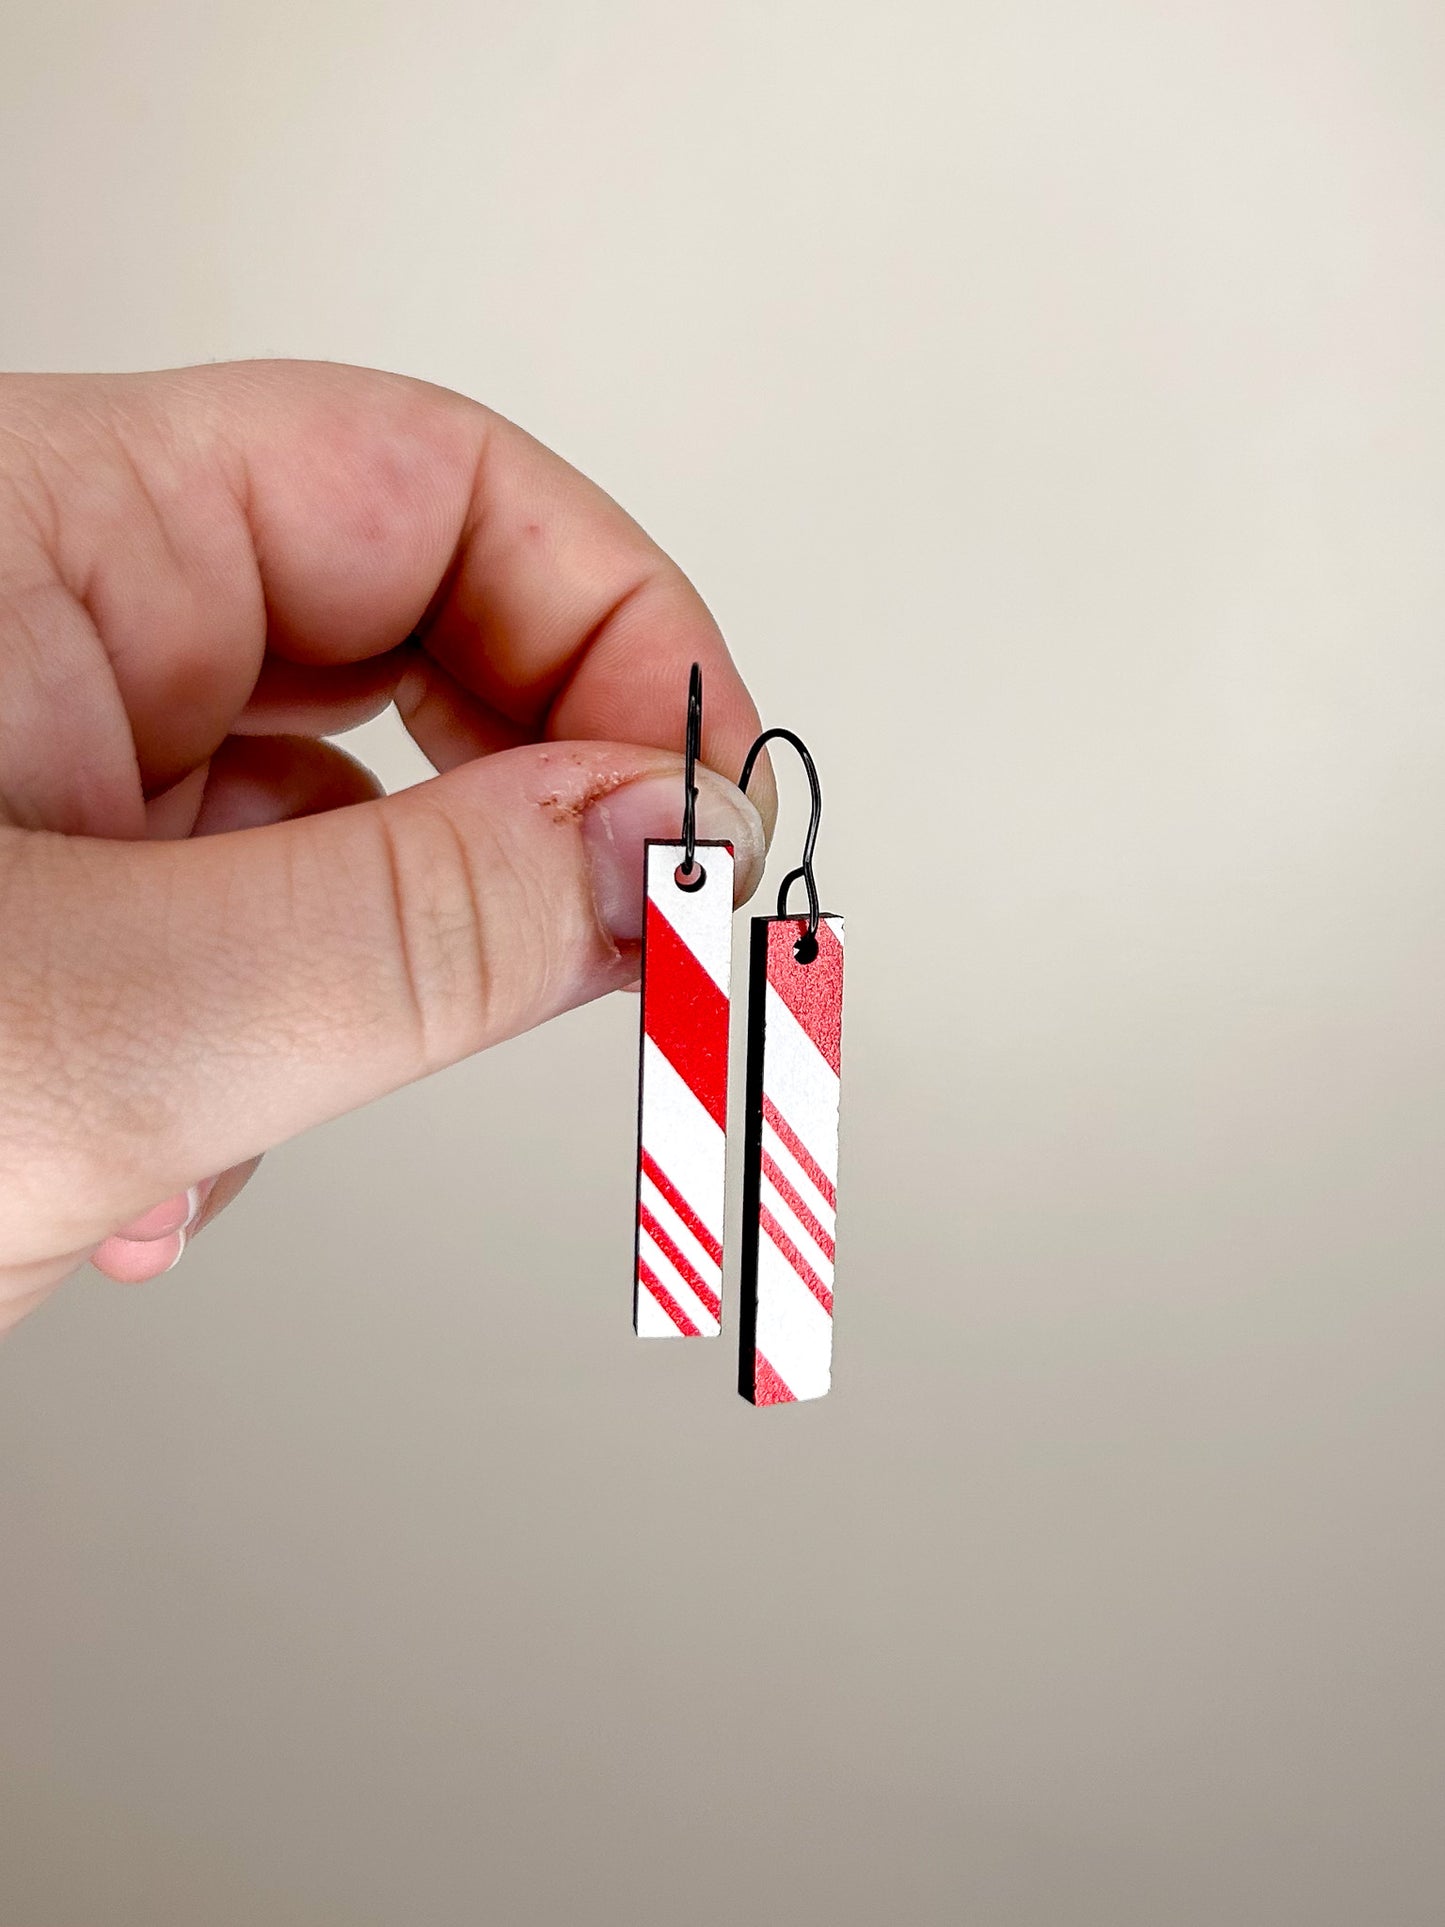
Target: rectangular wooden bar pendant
(795,1024)
(683,1095)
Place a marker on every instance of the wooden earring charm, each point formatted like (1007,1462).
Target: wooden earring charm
(683,1079)
(790,1157)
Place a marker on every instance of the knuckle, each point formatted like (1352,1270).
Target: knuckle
(444,951)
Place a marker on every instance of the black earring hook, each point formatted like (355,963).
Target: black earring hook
(815,817)
(689,769)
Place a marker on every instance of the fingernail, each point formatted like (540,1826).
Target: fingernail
(163,1220)
(178,1213)
(134,1261)
(617,825)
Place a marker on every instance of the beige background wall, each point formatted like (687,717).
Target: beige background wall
(1050,398)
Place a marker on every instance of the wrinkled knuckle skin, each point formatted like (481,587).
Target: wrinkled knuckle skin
(443,952)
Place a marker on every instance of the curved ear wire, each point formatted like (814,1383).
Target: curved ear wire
(810,842)
(692,745)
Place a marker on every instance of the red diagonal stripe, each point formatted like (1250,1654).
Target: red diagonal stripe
(812,991)
(650,1282)
(800,1151)
(795,1258)
(768,1388)
(687,1272)
(681,1206)
(773,1172)
(686,1015)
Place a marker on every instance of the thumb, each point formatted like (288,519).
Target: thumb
(172,1009)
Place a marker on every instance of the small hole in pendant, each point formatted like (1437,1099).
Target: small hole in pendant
(693,880)
(805,950)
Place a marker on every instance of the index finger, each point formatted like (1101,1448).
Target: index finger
(383,509)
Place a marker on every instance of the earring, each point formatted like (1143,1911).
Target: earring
(683,1077)
(790,1157)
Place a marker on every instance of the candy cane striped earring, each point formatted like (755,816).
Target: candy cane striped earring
(790,1158)
(683,1082)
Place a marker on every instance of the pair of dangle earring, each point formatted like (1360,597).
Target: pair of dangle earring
(790,1147)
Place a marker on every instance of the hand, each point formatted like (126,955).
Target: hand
(214,932)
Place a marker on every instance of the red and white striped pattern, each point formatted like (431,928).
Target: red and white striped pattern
(682,1105)
(795,1033)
